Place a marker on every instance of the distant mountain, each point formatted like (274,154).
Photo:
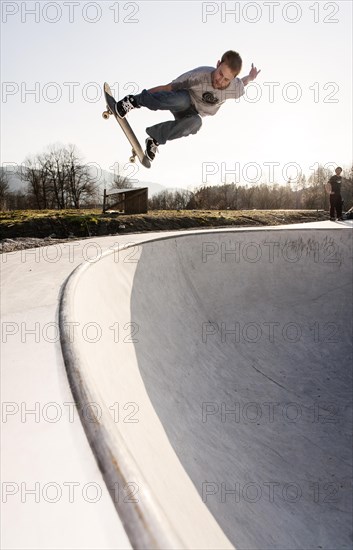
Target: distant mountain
(153,188)
(14,181)
(104,177)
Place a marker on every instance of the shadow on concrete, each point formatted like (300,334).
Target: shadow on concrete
(245,352)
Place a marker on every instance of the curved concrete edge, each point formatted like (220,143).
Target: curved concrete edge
(116,464)
(149,522)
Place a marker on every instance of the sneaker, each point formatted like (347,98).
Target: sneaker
(151,148)
(124,106)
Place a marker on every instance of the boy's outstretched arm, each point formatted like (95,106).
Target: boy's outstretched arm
(251,76)
(166,88)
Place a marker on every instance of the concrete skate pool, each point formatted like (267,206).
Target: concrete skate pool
(218,368)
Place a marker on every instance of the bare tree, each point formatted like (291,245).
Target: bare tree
(316,194)
(58,178)
(347,188)
(35,175)
(80,184)
(120,181)
(57,166)
(4,188)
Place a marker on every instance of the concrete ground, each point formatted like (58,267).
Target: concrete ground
(210,374)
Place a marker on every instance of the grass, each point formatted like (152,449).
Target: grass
(90,222)
(19,216)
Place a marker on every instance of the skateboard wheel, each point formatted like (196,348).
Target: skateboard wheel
(132,159)
(105,115)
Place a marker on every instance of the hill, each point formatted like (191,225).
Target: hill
(104,179)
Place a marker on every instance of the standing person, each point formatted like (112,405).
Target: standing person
(334,185)
(193,95)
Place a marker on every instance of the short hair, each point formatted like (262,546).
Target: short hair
(339,168)
(232,60)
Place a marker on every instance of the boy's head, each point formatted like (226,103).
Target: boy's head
(338,170)
(227,68)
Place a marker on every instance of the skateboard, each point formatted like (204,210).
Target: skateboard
(126,128)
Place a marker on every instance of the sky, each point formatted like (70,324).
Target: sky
(55,57)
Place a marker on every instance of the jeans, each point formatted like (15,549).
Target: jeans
(187,120)
(335,205)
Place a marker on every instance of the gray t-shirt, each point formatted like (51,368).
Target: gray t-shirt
(206,99)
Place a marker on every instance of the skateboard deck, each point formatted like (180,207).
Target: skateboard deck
(126,128)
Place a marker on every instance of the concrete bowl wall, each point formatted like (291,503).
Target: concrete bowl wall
(212,372)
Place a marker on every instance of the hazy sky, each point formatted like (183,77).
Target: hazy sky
(56,56)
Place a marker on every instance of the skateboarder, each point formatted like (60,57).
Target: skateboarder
(334,185)
(195,94)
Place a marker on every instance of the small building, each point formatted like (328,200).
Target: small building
(127,201)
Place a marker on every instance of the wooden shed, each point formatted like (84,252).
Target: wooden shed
(127,201)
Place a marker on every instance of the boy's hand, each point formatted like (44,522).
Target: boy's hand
(251,76)
(253,72)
